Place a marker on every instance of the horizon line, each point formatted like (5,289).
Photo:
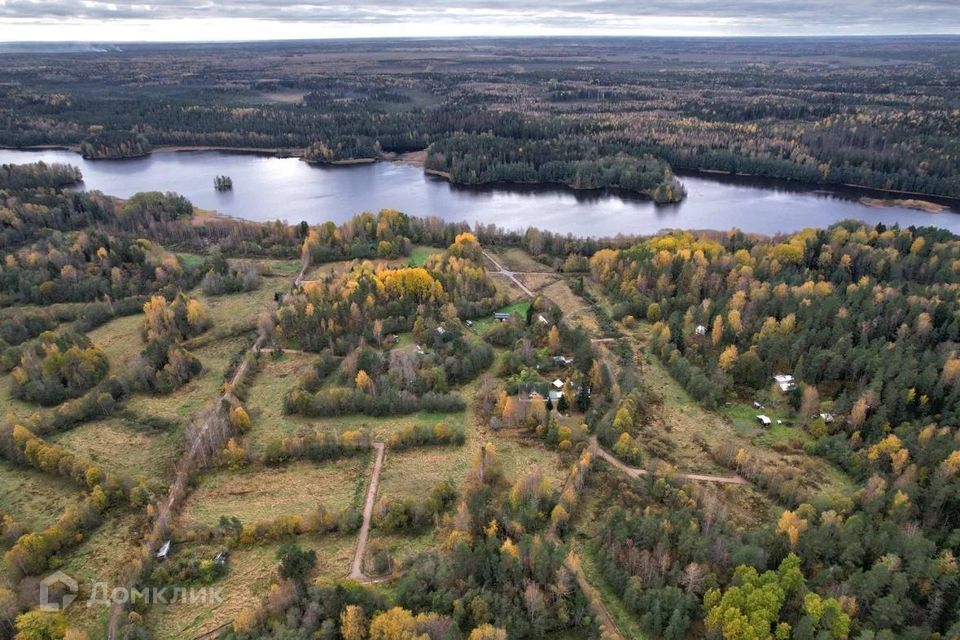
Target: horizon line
(531,36)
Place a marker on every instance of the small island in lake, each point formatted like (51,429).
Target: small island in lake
(223,183)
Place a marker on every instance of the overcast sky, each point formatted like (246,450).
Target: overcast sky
(26,20)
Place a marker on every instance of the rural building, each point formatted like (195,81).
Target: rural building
(785,382)
(700,330)
(564,360)
(558,384)
(500,316)
(764,420)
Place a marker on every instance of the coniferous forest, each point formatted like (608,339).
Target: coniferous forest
(875,112)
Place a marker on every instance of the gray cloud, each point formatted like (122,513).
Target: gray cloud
(741,16)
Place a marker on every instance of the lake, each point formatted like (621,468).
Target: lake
(267,188)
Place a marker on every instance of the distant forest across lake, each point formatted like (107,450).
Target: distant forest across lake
(585,113)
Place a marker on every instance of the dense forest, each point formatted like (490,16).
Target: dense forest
(586,113)
(866,322)
(865,319)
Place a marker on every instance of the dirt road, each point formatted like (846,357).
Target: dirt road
(633,472)
(356,572)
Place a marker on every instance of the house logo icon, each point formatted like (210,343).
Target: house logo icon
(57,591)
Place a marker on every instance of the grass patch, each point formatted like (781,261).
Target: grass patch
(186,401)
(120,340)
(101,558)
(190,260)
(261,493)
(251,571)
(482,325)
(13,407)
(418,257)
(400,547)
(265,399)
(120,447)
(236,308)
(516,259)
(574,308)
(32,498)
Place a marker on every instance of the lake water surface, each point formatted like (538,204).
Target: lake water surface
(267,188)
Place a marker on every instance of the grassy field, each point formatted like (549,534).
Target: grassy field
(262,493)
(240,308)
(516,259)
(537,282)
(418,257)
(265,399)
(120,340)
(184,402)
(251,571)
(574,308)
(400,547)
(34,499)
(101,558)
(11,407)
(481,325)
(121,447)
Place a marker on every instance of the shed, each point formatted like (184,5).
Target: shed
(501,316)
(164,551)
(542,319)
(555,395)
(700,330)
(827,417)
(785,382)
(222,556)
(558,383)
(764,420)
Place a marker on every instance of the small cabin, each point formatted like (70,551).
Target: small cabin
(501,316)
(785,382)
(164,551)
(763,420)
(700,330)
(826,417)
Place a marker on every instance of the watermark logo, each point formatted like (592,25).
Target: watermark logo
(57,591)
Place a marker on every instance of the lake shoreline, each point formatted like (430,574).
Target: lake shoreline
(266,188)
(417,159)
